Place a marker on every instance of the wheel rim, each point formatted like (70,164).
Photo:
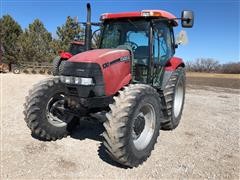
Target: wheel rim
(143,127)
(16,71)
(55,111)
(178,99)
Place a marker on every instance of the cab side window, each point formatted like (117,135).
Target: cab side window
(163,47)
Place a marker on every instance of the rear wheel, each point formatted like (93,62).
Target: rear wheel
(44,111)
(61,67)
(174,94)
(16,70)
(132,125)
(56,63)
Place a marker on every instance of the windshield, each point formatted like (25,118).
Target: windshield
(132,35)
(125,32)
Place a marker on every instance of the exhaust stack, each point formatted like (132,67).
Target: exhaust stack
(88,29)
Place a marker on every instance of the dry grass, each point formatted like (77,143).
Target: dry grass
(213,75)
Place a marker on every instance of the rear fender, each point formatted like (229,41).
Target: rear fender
(170,67)
(65,55)
(174,63)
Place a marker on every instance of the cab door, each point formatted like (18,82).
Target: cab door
(163,43)
(163,49)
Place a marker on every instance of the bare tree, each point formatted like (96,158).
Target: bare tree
(231,68)
(203,65)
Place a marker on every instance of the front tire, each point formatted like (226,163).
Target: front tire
(133,125)
(44,113)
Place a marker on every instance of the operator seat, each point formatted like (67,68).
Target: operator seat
(141,55)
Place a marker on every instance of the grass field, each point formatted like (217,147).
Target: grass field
(212,79)
(213,75)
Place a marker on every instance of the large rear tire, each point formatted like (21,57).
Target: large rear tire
(44,113)
(61,67)
(174,94)
(133,125)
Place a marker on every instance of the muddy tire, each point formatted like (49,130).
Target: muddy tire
(133,125)
(56,63)
(174,94)
(43,111)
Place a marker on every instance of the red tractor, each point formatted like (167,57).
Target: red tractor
(75,48)
(132,83)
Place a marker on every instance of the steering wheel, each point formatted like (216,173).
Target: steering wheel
(133,45)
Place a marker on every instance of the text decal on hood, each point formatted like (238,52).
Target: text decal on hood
(121,59)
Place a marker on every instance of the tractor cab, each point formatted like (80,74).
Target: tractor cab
(78,44)
(76,47)
(149,37)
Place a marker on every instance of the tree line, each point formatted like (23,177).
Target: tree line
(35,43)
(212,66)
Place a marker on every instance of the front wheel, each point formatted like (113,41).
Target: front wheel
(133,125)
(44,111)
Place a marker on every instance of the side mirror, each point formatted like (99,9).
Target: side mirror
(182,38)
(187,19)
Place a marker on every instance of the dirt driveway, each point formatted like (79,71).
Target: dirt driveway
(205,145)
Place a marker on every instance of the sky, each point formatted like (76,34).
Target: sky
(215,33)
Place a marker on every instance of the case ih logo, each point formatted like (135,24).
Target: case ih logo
(121,59)
(125,58)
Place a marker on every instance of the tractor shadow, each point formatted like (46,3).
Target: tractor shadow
(93,131)
(88,130)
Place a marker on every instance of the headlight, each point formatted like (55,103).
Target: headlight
(68,80)
(86,81)
(76,80)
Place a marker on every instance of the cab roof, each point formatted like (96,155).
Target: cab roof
(143,13)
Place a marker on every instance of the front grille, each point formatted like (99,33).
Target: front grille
(80,69)
(72,91)
(88,70)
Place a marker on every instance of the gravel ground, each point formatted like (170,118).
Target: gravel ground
(205,145)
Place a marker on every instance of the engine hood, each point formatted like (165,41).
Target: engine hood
(99,56)
(108,67)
